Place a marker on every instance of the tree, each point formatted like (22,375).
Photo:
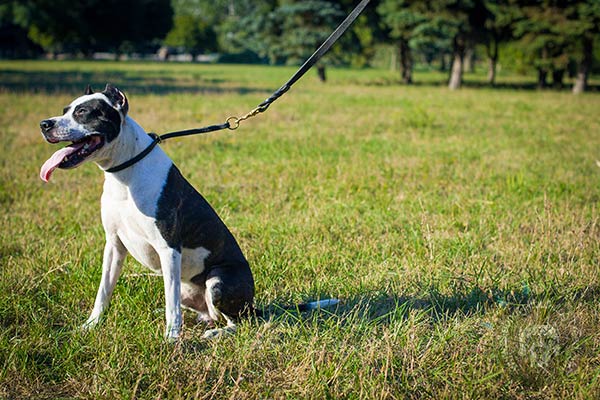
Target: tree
(433,39)
(192,34)
(220,16)
(358,43)
(14,40)
(463,20)
(305,26)
(292,32)
(550,32)
(499,27)
(402,20)
(257,32)
(557,34)
(90,25)
(468,19)
(588,15)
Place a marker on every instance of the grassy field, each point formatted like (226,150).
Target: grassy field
(459,229)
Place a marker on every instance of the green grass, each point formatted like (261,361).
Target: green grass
(460,230)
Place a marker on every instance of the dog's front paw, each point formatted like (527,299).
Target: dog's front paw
(172,335)
(90,324)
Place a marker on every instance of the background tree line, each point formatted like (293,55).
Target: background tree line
(554,38)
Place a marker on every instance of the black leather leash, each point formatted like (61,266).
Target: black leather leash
(233,123)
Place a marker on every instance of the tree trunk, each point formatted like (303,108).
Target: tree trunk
(405,61)
(491,77)
(557,78)
(457,64)
(542,77)
(469,60)
(393,60)
(321,73)
(443,65)
(584,67)
(492,52)
(543,70)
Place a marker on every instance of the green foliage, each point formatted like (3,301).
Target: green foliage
(433,38)
(554,37)
(546,34)
(14,12)
(97,25)
(191,34)
(291,32)
(304,26)
(223,16)
(399,18)
(256,31)
(358,44)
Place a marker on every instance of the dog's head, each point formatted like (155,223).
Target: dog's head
(90,122)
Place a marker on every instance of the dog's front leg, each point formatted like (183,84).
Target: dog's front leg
(114,255)
(170,260)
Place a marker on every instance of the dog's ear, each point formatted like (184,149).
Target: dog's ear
(88,90)
(117,98)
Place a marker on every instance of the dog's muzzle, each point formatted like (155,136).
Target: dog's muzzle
(81,148)
(47,126)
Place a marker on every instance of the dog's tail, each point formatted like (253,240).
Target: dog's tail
(314,305)
(301,307)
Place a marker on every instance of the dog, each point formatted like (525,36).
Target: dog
(149,210)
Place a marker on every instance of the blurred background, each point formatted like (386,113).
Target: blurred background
(555,43)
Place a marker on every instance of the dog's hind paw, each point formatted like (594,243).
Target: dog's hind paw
(219,332)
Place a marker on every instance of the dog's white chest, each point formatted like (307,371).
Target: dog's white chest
(129,212)
(136,231)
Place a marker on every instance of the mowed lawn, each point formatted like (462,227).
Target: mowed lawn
(460,230)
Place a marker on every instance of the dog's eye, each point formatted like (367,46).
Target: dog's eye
(81,111)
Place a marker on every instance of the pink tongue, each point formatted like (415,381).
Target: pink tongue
(53,162)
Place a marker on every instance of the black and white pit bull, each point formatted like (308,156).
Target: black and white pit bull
(152,212)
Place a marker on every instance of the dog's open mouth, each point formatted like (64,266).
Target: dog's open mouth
(72,155)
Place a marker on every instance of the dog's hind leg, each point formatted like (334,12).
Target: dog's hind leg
(114,255)
(229,294)
(193,298)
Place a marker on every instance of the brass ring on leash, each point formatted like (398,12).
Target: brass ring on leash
(233,126)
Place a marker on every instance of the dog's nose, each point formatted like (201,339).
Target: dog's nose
(46,125)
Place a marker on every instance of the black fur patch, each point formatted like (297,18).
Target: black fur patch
(98,116)
(185,219)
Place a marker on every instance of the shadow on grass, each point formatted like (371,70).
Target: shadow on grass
(383,307)
(516,86)
(146,82)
